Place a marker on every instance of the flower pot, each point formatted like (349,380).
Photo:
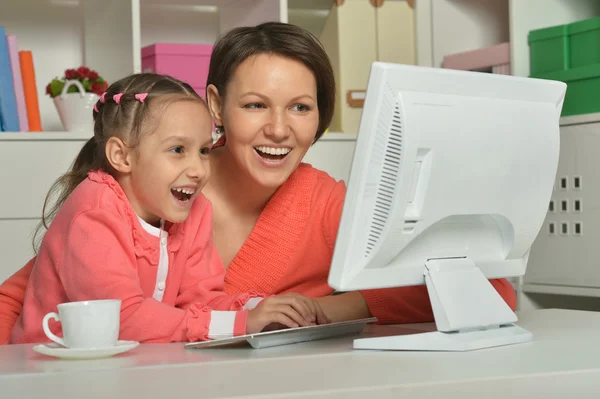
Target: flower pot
(76,109)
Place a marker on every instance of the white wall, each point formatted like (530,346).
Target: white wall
(462,25)
(171,24)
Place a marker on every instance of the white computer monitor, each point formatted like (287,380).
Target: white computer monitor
(449,186)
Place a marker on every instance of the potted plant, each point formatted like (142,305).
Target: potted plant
(74,96)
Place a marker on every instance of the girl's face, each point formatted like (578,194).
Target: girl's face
(170,166)
(270,116)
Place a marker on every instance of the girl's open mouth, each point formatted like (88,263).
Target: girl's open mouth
(183,194)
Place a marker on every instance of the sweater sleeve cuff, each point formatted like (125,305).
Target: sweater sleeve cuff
(239,326)
(252,303)
(221,324)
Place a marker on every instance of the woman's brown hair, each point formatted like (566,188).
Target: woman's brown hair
(127,118)
(283,39)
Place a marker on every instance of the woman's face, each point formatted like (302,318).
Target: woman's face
(270,117)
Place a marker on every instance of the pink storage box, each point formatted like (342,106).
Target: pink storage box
(495,58)
(186,62)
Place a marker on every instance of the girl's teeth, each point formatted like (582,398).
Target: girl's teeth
(184,190)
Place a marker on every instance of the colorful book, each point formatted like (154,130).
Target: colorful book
(29,88)
(8,101)
(15,66)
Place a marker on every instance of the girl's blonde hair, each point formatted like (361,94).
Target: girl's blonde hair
(127,110)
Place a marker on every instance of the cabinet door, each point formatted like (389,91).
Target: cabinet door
(28,169)
(564,255)
(396,33)
(357,33)
(16,244)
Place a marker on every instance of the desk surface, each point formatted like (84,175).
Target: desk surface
(563,361)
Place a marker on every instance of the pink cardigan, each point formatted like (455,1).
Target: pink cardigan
(97,249)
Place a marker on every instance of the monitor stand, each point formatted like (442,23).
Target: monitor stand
(469,313)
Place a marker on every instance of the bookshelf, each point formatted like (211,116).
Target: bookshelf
(108,35)
(445,27)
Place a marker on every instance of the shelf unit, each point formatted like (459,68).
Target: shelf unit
(445,27)
(107,35)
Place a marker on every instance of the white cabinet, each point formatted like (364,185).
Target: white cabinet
(333,154)
(29,165)
(564,257)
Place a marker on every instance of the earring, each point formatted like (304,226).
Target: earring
(219,130)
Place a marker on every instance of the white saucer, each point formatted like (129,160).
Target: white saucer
(57,350)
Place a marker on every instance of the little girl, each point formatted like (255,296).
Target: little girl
(130,223)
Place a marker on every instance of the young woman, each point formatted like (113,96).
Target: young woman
(271,93)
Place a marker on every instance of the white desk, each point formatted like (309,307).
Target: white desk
(563,362)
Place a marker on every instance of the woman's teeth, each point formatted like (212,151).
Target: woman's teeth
(272,150)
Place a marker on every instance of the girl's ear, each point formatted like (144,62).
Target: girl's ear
(119,155)
(214,101)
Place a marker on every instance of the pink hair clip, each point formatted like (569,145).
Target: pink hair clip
(141,96)
(117,97)
(96,107)
(102,100)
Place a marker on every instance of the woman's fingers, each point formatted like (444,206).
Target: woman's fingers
(292,313)
(281,318)
(316,312)
(303,308)
(321,316)
(300,305)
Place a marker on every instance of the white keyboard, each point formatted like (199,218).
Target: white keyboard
(291,335)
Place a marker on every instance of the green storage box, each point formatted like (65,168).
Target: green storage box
(584,42)
(548,50)
(564,46)
(570,53)
(583,89)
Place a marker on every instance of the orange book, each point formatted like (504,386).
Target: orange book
(31,97)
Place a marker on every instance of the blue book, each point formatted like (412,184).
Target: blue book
(1,130)
(8,101)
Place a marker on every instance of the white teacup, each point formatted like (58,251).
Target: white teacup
(86,324)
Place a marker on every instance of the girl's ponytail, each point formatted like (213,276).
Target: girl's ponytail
(86,161)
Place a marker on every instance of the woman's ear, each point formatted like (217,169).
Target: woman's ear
(213,99)
(119,155)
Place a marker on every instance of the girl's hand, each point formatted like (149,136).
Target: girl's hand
(288,310)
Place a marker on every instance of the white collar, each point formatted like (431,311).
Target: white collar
(155,231)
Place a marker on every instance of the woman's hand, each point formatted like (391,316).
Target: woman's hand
(344,307)
(287,310)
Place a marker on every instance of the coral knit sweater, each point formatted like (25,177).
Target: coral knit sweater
(289,250)
(96,248)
